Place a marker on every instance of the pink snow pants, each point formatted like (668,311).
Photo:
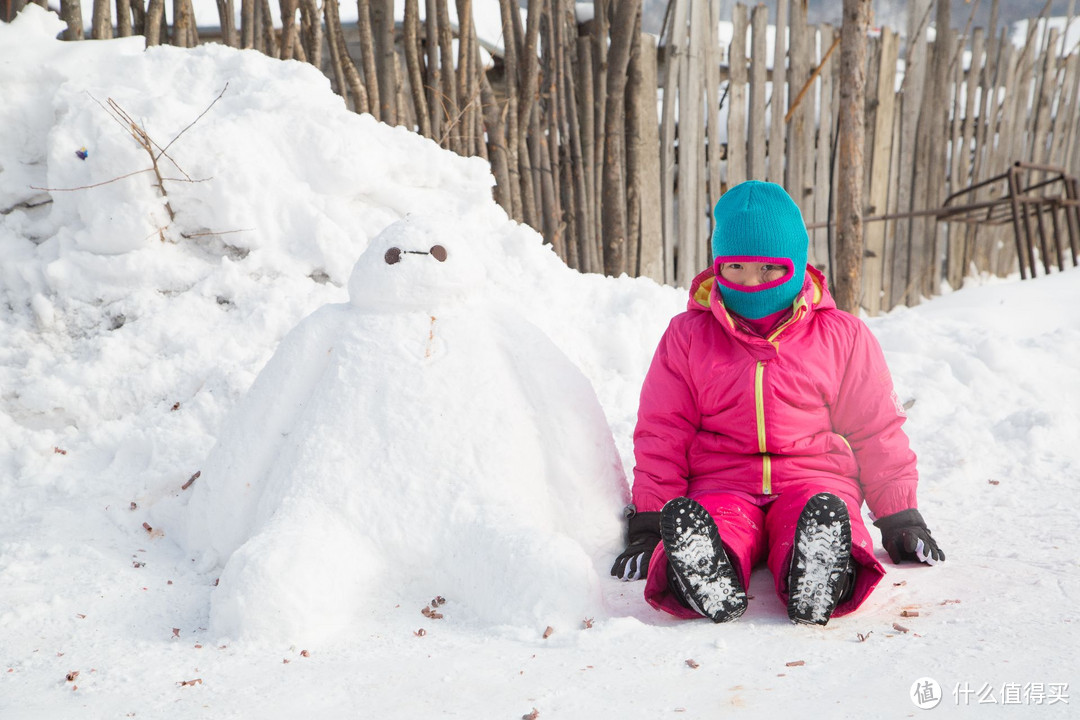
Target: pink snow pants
(751,532)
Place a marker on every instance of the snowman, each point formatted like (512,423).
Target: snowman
(414,442)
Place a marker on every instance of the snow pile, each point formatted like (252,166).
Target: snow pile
(413,441)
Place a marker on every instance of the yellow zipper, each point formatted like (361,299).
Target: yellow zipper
(759,404)
(759,399)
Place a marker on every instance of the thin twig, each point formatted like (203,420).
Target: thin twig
(194,121)
(456,121)
(188,236)
(87,187)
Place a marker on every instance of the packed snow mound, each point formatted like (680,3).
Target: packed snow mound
(416,441)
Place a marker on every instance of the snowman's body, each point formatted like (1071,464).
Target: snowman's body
(411,442)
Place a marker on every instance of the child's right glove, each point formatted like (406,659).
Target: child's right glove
(642,539)
(906,537)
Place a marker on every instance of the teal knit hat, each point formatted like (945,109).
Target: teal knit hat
(759,222)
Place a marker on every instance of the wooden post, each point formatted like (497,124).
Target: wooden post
(993,72)
(880,158)
(637,92)
(290,33)
(965,173)
(736,100)
(530,190)
(798,72)
(247,24)
(382,29)
(265,29)
(652,240)
(614,187)
(155,22)
(511,64)
(823,169)
(936,110)
(412,62)
(759,23)
(690,147)
(71,13)
(586,84)
(600,32)
(584,227)
(778,103)
(123,19)
(226,20)
(101,20)
(849,202)
(465,76)
(712,111)
(674,55)
(911,101)
(333,27)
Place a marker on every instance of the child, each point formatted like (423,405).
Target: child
(766,418)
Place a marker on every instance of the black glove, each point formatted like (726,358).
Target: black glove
(906,537)
(642,538)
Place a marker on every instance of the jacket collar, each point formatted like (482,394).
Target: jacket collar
(814,296)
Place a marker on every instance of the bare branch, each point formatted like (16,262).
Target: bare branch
(87,187)
(192,123)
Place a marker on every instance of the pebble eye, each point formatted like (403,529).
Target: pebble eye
(392,256)
(438,252)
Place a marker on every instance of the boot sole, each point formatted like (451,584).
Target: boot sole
(820,559)
(698,559)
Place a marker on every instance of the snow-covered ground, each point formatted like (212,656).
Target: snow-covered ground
(131,346)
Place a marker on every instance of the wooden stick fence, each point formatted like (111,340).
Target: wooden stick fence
(621,182)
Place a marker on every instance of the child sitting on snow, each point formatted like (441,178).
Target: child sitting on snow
(766,418)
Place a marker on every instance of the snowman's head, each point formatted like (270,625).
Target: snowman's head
(417,263)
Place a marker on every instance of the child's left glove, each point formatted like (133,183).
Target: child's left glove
(642,539)
(906,537)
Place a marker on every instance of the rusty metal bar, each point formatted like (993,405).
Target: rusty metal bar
(1057,235)
(1014,201)
(1072,217)
(1016,205)
(1042,238)
(1039,167)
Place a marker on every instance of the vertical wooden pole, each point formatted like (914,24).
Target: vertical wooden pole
(880,158)
(512,138)
(823,169)
(849,201)
(614,187)
(736,99)
(778,100)
(911,101)
(690,148)
(674,54)
(652,239)
(759,23)
(712,110)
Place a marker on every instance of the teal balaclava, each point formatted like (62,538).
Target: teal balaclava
(759,222)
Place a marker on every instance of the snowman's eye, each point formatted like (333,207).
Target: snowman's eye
(438,252)
(392,256)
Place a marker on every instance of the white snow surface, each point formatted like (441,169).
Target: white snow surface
(358,461)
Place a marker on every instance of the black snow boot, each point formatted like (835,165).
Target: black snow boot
(698,567)
(820,573)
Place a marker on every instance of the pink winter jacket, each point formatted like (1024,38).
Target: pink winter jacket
(725,410)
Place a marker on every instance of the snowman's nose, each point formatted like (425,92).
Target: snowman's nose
(393,255)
